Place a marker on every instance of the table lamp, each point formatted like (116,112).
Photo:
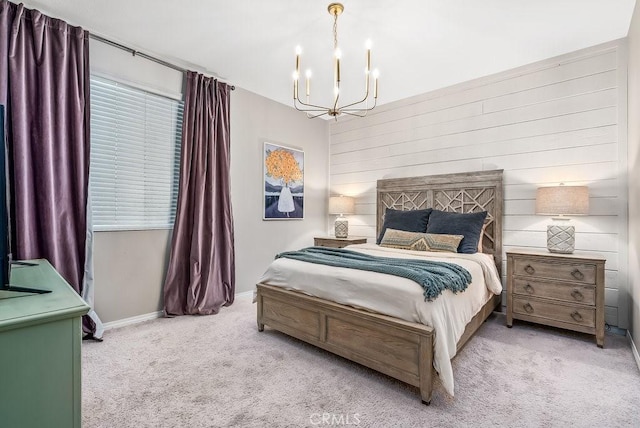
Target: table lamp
(559,201)
(341,205)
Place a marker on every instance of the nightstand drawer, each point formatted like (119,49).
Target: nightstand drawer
(558,291)
(566,271)
(584,316)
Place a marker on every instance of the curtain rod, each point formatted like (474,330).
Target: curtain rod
(141,54)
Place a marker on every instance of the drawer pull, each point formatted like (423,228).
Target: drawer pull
(529,269)
(576,316)
(577,275)
(529,289)
(577,295)
(529,309)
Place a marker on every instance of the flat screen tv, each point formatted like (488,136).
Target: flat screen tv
(5,222)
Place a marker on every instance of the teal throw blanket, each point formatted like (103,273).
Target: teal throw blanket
(432,276)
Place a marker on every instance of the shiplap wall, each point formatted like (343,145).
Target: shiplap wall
(558,120)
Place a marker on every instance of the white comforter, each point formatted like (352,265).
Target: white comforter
(396,296)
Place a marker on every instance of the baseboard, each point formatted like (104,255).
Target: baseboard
(154,315)
(244,294)
(615,330)
(634,350)
(133,320)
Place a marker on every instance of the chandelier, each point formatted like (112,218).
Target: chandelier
(357,108)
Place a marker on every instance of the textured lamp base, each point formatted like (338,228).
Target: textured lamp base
(341,227)
(561,239)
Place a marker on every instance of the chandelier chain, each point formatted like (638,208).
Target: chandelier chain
(335,31)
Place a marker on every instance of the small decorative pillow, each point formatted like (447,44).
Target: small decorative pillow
(420,241)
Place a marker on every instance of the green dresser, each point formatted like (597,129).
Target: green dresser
(40,340)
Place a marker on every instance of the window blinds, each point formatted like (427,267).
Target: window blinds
(135,157)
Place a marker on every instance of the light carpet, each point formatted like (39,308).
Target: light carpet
(218,370)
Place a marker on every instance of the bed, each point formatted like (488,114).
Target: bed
(400,348)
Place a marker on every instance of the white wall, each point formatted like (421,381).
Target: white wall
(559,120)
(120,65)
(254,120)
(130,265)
(129,270)
(634,175)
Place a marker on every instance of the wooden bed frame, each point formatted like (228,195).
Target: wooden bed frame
(397,348)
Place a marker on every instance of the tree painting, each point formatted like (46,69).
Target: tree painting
(283,182)
(281,165)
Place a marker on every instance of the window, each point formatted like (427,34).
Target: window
(135,157)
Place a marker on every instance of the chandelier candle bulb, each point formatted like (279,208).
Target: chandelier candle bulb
(366,83)
(337,55)
(308,82)
(375,84)
(295,85)
(368,69)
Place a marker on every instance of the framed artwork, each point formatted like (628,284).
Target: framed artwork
(283,197)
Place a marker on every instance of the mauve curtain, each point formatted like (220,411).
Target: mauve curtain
(44,79)
(201,272)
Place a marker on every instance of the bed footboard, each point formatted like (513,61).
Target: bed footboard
(397,348)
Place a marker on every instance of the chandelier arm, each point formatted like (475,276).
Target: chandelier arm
(319,108)
(357,102)
(316,107)
(359,109)
(309,116)
(311,109)
(335,104)
(354,114)
(306,110)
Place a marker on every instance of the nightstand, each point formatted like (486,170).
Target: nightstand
(559,290)
(332,241)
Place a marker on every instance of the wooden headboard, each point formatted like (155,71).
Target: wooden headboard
(463,193)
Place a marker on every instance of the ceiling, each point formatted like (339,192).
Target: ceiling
(418,45)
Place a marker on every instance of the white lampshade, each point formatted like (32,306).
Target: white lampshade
(562,200)
(342,205)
